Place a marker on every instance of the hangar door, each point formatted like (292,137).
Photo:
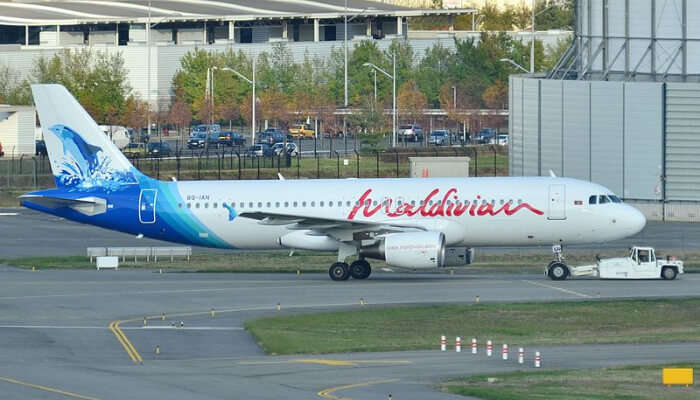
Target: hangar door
(557,202)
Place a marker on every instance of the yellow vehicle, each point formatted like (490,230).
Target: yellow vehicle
(135,150)
(302,131)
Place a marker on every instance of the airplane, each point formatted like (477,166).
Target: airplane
(413,224)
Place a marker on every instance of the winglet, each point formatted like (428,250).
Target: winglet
(552,174)
(280,176)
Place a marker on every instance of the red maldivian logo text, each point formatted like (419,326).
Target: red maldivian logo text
(447,206)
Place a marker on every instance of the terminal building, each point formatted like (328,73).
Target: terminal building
(622,107)
(29,30)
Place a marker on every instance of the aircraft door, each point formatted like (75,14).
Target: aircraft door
(557,202)
(147,206)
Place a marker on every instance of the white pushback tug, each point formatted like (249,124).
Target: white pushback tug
(641,263)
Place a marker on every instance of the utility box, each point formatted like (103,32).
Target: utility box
(439,167)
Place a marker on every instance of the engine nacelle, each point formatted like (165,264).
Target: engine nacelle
(415,249)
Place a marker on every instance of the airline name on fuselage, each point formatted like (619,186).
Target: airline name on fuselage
(448,206)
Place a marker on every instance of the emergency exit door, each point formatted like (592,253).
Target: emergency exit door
(557,202)
(147,206)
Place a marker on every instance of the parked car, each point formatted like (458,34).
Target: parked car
(410,133)
(501,140)
(40,148)
(159,149)
(270,136)
(260,150)
(135,150)
(485,136)
(291,149)
(231,139)
(204,128)
(138,135)
(304,131)
(439,138)
(200,141)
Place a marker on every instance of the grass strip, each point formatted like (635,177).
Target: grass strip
(618,383)
(419,328)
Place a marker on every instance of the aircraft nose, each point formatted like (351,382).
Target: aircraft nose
(634,220)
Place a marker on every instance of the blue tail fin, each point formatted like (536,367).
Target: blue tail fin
(82,157)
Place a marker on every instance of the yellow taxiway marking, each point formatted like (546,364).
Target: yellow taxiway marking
(124,341)
(46,389)
(332,363)
(579,294)
(328,393)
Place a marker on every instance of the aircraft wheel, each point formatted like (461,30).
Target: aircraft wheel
(669,273)
(360,269)
(558,271)
(339,271)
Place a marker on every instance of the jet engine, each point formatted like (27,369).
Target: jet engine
(410,250)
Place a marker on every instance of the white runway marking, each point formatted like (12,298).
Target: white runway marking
(8,214)
(558,288)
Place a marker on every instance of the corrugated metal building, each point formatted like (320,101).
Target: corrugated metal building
(622,108)
(17,124)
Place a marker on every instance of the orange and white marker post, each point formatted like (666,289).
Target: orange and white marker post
(505,352)
(443,343)
(474,346)
(521,355)
(458,345)
(489,348)
(538,360)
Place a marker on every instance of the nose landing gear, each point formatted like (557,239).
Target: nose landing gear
(557,269)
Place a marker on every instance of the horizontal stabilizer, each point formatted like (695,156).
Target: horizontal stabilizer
(86,205)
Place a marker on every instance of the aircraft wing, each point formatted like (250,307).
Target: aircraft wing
(341,229)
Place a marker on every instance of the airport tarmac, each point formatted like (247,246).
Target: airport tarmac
(55,340)
(28,233)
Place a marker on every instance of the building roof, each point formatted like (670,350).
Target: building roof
(74,12)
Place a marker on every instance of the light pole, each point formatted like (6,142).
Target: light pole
(532,40)
(252,82)
(393,78)
(148,65)
(516,65)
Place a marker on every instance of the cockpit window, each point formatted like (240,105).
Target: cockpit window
(593,200)
(602,199)
(615,199)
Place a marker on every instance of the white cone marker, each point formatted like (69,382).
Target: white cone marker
(489,348)
(458,345)
(538,360)
(521,355)
(505,352)
(443,343)
(474,346)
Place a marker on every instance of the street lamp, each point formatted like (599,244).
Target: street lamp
(509,61)
(532,39)
(393,78)
(252,82)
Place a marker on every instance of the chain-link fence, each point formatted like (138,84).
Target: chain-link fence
(234,163)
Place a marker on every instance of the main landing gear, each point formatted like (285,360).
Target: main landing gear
(557,270)
(341,271)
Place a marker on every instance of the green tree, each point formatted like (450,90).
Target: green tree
(97,79)
(555,52)
(360,77)
(13,89)
(433,71)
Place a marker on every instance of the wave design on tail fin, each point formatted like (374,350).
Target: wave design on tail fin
(82,166)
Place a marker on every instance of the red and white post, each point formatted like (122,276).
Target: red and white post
(474,349)
(521,355)
(443,343)
(538,360)
(505,352)
(489,348)
(458,345)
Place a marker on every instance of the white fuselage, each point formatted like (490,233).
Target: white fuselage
(469,211)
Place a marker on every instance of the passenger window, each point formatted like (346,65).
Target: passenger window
(196,205)
(330,204)
(313,204)
(286,204)
(259,204)
(269,204)
(320,204)
(593,200)
(277,205)
(216,205)
(189,205)
(242,204)
(303,204)
(295,204)
(347,204)
(206,205)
